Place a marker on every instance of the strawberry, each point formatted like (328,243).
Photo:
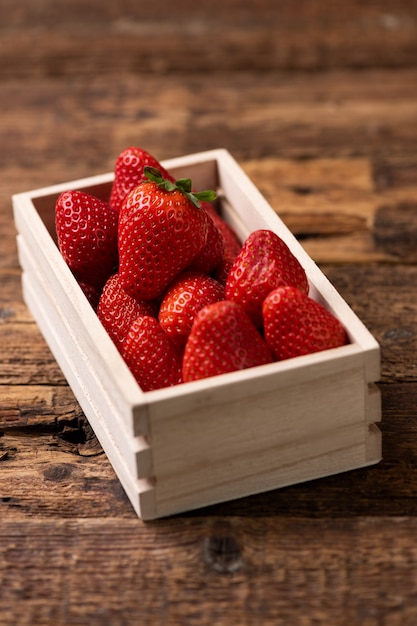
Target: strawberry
(117,310)
(86,229)
(161,230)
(212,253)
(150,355)
(222,339)
(232,245)
(129,173)
(189,293)
(295,324)
(264,263)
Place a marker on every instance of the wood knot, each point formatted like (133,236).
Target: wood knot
(57,472)
(6,313)
(222,553)
(399,335)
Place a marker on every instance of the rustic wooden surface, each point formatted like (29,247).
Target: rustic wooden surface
(317,100)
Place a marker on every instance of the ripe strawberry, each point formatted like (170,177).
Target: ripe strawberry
(184,298)
(161,230)
(212,253)
(264,263)
(222,339)
(129,173)
(117,310)
(86,228)
(232,245)
(150,355)
(295,324)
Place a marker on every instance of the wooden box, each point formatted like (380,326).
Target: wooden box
(229,436)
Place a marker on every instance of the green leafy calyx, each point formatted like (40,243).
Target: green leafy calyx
(183,185)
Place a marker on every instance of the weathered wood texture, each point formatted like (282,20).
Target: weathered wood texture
(76,38)
(255,571)
(333,153)
(318,102)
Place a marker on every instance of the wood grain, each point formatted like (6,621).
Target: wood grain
(43,472)
(321,97)
(251,569)
(329,151)
(261,36)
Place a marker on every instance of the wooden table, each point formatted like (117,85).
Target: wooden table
(317,101)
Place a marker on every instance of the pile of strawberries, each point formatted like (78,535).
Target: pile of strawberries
(177,292)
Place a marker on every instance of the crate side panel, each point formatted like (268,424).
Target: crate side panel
(255,420)
(217,391)
(80,317)
(135,449)
(274,430)
(323,457)
(139,491)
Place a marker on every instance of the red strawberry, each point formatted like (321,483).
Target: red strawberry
(128,173)
(212,253)
(222,339)
(117,310)
(232,245)
(151,356)
(264,263)
(161,230)
(87,236)
(185,297)
(295,324)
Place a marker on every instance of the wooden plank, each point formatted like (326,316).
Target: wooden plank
(331,173)
(344,204)
(395,327)
(209,570)
(85,382)
(335,206)
(340,113)
(25,357)
(42,474)
(192,38)
(38,406)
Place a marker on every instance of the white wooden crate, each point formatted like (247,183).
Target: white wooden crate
(224,437)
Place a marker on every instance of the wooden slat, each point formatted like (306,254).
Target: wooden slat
(390,316)
(335,114)
(187,37)
(239,570)
(333,153)
(38,407)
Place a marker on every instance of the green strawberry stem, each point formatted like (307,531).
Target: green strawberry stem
(183,185)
